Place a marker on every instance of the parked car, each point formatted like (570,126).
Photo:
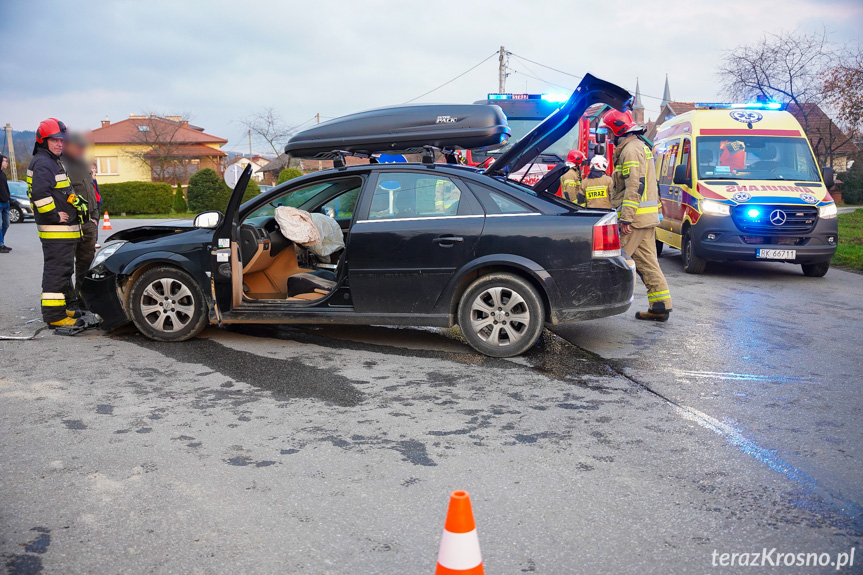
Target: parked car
(425,243)
(19,205)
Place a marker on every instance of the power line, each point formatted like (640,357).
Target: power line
(490,56)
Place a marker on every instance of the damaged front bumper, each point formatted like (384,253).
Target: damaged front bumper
(101,292)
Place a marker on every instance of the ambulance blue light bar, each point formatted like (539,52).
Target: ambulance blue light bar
(746,106)
(555,98)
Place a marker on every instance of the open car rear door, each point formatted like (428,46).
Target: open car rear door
(591,90)
(225,259)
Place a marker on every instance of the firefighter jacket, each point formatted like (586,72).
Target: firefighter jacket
(50,191)
(595,190)
(570,182)
(635,190)
(82,184)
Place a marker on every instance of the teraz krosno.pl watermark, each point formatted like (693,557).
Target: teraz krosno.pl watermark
(775,558)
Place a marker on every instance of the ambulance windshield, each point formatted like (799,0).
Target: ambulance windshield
(755,158)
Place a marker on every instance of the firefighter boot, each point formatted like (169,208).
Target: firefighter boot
(656,312)
(67,326)
(74,313)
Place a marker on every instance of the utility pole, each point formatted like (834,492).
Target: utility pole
(11,146)
(318,121)
(250,143)
(501,71)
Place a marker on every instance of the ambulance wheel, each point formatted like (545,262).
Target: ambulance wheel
(659,246)
(167,305)
(815,270)
(501,315)
(692,264)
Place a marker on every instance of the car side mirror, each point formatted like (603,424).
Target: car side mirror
(829,176)
(680,177)
(600,150)
(600,138)
(208,220)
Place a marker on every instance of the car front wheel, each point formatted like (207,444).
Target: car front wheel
(501,315)
(15,215)
(167,305)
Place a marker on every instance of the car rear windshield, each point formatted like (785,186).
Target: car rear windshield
(755,158)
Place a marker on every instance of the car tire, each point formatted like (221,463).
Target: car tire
(167,304)
(15,215)
(692,264)
(659,246)
(818,270)
(521,311)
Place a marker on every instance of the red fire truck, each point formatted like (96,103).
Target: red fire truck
(524,112)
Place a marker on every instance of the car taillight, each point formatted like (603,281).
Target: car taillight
(606,237)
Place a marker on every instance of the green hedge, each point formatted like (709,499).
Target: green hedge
(137,198)
(852,189)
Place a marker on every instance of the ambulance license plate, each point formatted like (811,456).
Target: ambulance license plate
(777,254)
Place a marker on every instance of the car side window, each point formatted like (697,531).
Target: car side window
(669,163)
(295,198)
(342,207)
(495,202)
(410,195)
(507,205)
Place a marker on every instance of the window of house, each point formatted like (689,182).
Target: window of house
(143,128)
(107,166)
(410,195)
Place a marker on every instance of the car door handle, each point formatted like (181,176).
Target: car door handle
(447,241)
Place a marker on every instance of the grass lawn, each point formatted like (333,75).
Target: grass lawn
(850,251)
(153,217)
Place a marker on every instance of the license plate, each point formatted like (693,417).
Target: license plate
(777,254)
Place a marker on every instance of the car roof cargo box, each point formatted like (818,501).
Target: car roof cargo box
(405,129)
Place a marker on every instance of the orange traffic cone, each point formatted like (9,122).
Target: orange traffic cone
(459,545)
(106,224)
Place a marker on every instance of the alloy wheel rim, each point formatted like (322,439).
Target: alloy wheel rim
(167,305)
(499,316)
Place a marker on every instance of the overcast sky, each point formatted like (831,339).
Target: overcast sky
(222,61)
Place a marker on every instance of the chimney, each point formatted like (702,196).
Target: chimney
(106,122)
(184,123)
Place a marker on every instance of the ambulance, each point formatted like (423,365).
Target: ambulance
(740,182)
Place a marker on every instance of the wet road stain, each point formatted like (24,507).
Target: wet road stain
(75,424)
(245,460)
(105,409)
(29,562)
(285,378)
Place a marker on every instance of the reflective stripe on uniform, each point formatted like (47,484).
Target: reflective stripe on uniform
(60,232)
(43,202)
(648,207)
(51,299)
(63,184)
(61,177)
(47,207)
(630,203)
(659,295)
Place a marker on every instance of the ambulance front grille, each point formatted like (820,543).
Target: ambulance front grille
(775,219)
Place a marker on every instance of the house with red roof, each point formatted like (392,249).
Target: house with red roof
(153,148)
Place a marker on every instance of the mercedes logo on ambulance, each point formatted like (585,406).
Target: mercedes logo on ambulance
(777,217)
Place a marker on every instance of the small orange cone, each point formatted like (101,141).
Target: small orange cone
(459,545)
(106,224)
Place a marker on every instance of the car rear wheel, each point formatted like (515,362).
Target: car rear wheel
(501,315)
(818,270)
(15,215)
(167,305)
(692,264)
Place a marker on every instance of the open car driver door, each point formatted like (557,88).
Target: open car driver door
(225,259)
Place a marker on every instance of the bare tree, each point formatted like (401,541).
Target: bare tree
(161,147)
(788,67)
(843,91)
(268,126)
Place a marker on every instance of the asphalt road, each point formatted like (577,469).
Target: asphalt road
(636,448)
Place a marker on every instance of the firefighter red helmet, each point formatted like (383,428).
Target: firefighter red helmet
(618,122)
(575,157)
(50,128)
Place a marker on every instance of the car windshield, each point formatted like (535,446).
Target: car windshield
(18,189)
(293,199)
(755,158)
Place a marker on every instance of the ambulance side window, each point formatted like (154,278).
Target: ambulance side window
(668,163)
(685,157)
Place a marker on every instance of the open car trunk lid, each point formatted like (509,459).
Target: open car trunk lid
(591,90)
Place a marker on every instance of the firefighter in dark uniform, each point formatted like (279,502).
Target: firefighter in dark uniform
(56,210)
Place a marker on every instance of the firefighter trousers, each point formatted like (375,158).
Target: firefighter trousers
(85,251)
(57,278)
(640,247)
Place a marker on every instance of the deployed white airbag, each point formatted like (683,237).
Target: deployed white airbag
(332,238)
(297,226)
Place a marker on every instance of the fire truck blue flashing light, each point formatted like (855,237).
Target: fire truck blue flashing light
(735,106)
(557,98)
(753,213)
